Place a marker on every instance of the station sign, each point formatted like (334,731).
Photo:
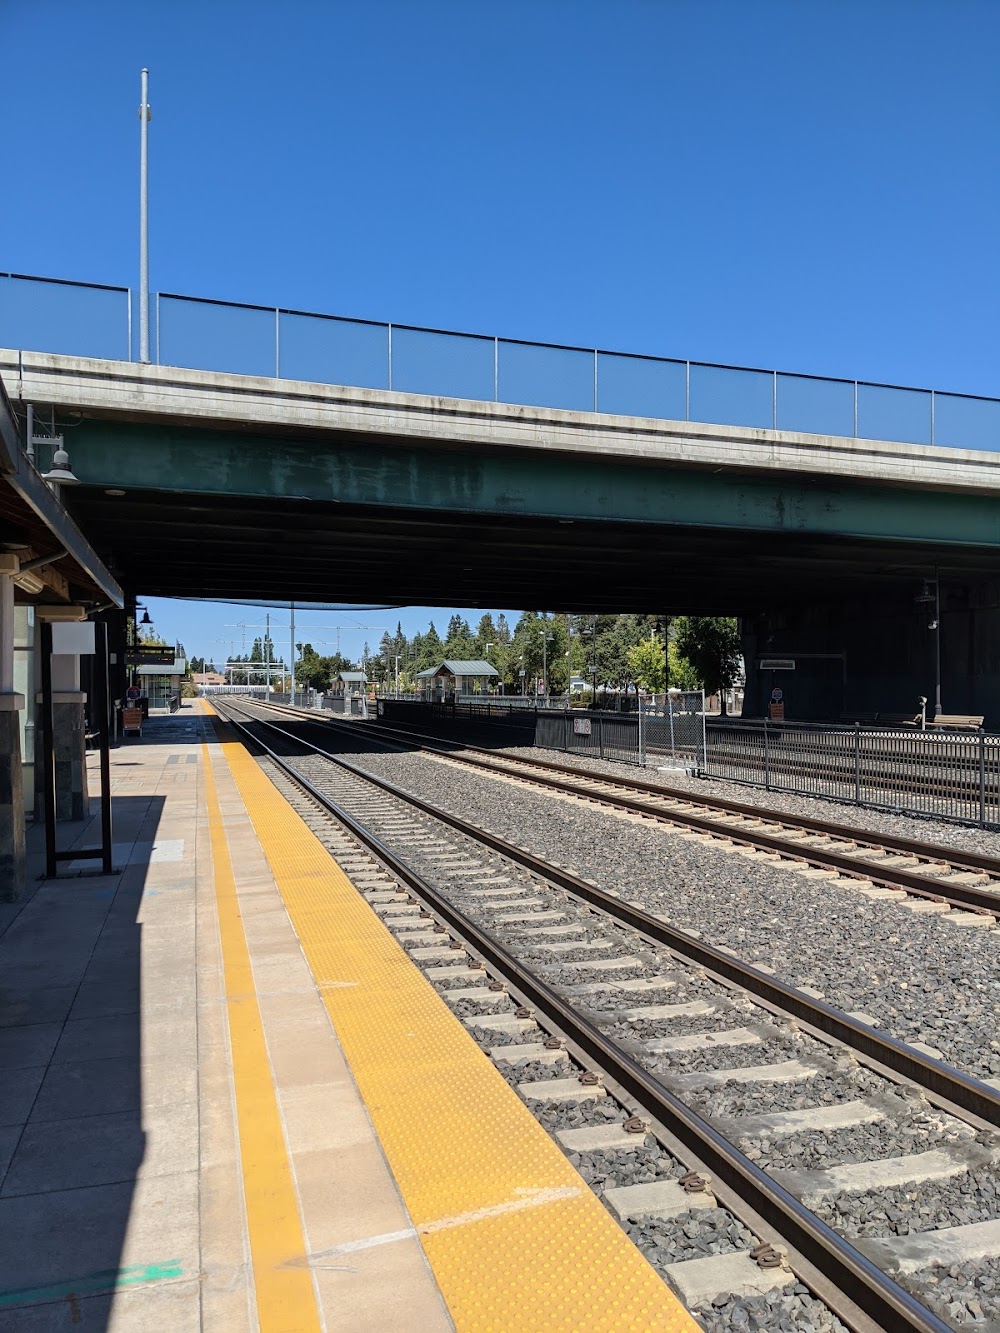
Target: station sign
(777,664)
(149,654)
(581,726)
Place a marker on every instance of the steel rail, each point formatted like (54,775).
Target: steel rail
(956,1087)
(913,881)
(916,847)
(849,1271)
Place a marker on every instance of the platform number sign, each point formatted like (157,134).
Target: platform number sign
(133,692)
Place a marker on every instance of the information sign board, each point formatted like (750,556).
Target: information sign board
(581,726)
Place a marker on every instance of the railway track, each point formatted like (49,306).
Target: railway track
(966,880)
(682,1035)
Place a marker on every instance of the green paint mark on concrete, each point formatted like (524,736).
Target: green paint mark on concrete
(92,1284)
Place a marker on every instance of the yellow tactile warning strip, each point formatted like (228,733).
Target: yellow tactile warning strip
(514,1236)
(286,1300)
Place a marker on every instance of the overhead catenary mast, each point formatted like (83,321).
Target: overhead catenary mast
(145,115)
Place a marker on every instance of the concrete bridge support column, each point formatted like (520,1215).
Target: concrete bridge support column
(880,653)
(12,844)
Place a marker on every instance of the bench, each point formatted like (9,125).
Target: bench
(863,719)
(957,722)
(899,719)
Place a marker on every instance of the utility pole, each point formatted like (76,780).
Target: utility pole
(145,115)
(267,652)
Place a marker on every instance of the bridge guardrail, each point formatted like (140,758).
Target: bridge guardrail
(88,319)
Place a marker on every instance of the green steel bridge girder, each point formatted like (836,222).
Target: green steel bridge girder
(369,471)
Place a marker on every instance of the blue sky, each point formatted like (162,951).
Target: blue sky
(806,186)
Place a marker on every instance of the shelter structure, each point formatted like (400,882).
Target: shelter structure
(162,683)
(348,682)
(455,677)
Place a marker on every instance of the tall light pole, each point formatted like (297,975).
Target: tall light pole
(926,599)
(145,115)
(937,644)
(291,697)
(546,640)
(397,675)
(488,647)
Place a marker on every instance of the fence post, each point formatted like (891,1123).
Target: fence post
(600,733)
(982,781)
(704,730)
(767,759)
(642,752)
(857,763)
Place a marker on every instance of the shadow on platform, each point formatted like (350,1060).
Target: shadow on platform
(75,1047)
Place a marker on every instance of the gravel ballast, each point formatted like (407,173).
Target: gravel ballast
(970,1197)
(915,973)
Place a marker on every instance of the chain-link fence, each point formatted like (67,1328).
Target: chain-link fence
(86,319)
(950,775)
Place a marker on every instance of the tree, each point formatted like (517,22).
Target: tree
(309,669)
(431,650)
(681,675)
(648,665)
(712,646)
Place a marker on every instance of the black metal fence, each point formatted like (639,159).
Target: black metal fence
(624,737)
(947,775)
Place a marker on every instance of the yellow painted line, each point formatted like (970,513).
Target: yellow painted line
(286,1301)
(515,1238)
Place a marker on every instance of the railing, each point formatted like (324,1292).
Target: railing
(679,734)
(81,319)
(71,318)
(950,776)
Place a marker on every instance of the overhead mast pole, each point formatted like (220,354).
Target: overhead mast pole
(144,118)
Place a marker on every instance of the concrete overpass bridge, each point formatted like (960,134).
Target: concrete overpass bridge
(478,471)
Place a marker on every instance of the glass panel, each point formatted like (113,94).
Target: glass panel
(334,351)
(894,414)
(732,397)
(818,407)
(449,365)
(38,316)
(966,423)
(639,387)
(206,336)
(546,376)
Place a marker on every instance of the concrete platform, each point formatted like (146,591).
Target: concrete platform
(183,1141)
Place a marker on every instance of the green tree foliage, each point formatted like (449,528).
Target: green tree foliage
(681,675)
(711,644)
(648,665)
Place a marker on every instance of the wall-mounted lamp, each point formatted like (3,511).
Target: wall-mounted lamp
(60,471)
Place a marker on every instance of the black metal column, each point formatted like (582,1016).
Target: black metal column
(48,753)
